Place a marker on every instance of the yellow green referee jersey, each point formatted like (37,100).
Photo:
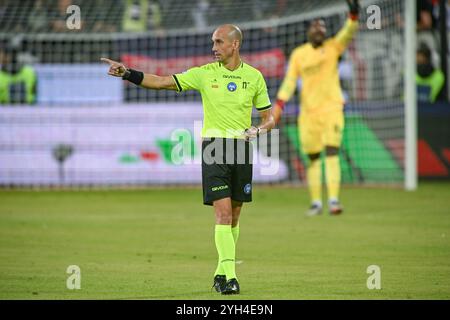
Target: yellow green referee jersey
(227,96)
(318,70)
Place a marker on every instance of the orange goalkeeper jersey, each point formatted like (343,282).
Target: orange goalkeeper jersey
(318,70)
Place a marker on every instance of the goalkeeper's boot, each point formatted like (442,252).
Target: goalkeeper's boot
(231,287)
(335,207)
(314,210)
(219,282)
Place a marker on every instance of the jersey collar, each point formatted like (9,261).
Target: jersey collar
(240,66)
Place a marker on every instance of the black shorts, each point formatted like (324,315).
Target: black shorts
(226,171)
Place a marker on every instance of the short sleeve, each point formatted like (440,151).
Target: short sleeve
(261,100)
(189,80)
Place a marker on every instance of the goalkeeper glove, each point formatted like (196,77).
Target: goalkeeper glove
(353,6)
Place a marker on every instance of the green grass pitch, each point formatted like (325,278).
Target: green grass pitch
(159,244)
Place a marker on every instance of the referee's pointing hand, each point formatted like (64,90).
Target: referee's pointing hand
(116,69)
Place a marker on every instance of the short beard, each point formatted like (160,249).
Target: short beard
(316,43)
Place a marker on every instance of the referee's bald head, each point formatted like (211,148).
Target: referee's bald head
(233,32)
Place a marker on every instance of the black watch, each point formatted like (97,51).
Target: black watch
(126,74)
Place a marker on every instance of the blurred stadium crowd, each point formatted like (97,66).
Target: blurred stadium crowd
(157,18)
(141,15)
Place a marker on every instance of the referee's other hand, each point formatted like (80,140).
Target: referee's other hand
(251,133)
(116,69)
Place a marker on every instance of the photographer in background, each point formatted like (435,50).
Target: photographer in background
(17,80)
(429,80)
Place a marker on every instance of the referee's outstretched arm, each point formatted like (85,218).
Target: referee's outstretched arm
(149,81)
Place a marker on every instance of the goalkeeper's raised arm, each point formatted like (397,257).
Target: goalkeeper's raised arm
(345,35)
(149,81)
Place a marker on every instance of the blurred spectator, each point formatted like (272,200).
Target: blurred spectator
(262,9)
(448,14)
(58,23)
(17,80)
(155,17)
(199,14)
(3,11)
(436,13)
(425,20)
(135,16)
(38,17)
(427,26)
(429,80)
(141,16)
(103,15)
(11,20)
(281,8)
(424,16)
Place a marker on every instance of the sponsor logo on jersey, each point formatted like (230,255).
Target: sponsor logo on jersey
(226,76)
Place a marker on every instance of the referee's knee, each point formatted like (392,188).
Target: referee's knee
(224,219)
(223,211)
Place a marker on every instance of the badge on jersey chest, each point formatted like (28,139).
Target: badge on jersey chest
(231,86)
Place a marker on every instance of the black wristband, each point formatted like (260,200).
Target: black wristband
(133,76)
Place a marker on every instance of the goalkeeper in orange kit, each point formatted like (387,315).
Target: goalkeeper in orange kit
(321,120)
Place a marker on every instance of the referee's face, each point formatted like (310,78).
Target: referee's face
(223,46)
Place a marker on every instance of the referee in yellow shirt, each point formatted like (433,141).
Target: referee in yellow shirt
(321,120)
(230,89)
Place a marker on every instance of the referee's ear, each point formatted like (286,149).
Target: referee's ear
(237,44)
